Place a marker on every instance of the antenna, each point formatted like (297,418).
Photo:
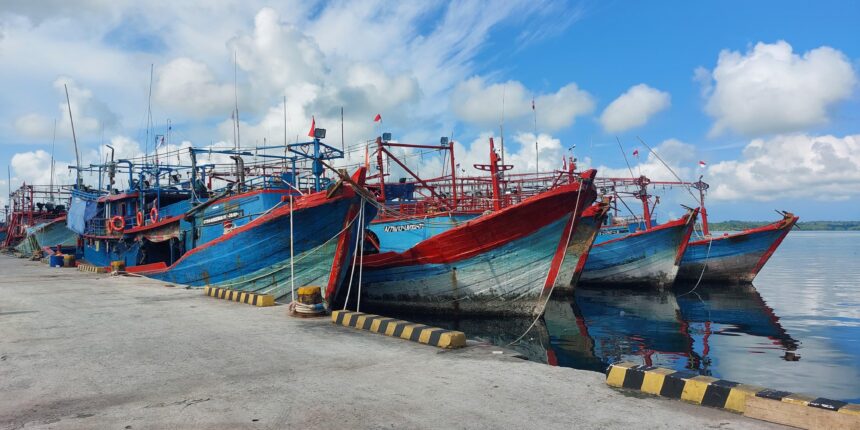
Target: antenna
(53,143)
(285,134)
(667,167)
(236,94)
(148,114)
(341,128)
(502,125)
(537,151)
(75,140)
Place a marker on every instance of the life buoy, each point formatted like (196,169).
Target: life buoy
(153,214)
(139,218)
(117,223)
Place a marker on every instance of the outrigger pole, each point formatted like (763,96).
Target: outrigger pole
(75,140)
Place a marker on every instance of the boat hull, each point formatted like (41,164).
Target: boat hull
(735,258)
(497,264)
(256,256)
(579,246)
(648,258)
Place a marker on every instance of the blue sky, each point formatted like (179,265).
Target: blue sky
(765,92)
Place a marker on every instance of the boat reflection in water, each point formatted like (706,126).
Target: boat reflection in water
(677,329)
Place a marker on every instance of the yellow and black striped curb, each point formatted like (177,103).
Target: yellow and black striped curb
(93,269)
(750,400)
(241,296)
(427,335)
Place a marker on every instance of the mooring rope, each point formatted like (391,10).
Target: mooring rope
(576,216)
(704,267)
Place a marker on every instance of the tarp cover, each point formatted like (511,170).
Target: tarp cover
(80,212)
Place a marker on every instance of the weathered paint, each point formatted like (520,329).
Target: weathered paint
(494,264)
(648,257)
(255,257)
(400,234)
(735,257)
(580,244)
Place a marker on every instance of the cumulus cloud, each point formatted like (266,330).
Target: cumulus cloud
(681,157)
(188,87)
(634,108)
(771,89)
(475,101)
(797,165)
(90,114)
(34,167)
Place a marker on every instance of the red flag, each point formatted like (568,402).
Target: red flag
(635,152)
(702,163)
(313,126)
(377,118)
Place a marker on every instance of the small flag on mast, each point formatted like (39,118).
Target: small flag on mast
(313,126)
(702,163)
(377,118)
(636,153)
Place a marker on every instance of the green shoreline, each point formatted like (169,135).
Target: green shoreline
(802,225)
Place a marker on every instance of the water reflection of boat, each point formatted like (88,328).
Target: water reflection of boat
(673,329)
(737,310)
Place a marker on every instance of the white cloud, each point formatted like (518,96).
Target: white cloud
(33,125)
(679,156)
(475,101)
(34,167)
(770,89)
(188,87)
(634,108)
(790,166)
(90,114)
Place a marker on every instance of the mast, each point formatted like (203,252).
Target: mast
(236,94)
(643,195)
(148,114)
(495,170)
(494,173)
(702,186)
(453,176)
(381,167)
(75,140)
(53,143)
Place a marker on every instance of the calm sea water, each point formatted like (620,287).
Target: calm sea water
(797,329)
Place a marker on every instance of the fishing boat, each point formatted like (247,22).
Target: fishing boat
(48,237)
(579,246)
(638,251)
(731,257)
(497,263)
(33,205)
(272,233)
(320,229)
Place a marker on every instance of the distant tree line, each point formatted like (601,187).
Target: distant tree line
(802,225)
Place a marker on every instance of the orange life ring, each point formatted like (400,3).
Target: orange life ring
(117,223)
(139,218)
(153,214)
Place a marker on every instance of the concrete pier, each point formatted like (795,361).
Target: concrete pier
(86,350)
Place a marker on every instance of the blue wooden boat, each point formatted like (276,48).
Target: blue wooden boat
(240,247)
(648,257)
(579,247)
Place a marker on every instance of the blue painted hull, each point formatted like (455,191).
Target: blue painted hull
(398,235)
(257,258)
(504,280)
(648,258)
(579,247)
(736,258)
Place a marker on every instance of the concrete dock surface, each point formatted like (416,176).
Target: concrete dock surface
(84,350)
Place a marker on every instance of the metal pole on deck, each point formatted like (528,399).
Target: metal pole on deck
(292,267)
